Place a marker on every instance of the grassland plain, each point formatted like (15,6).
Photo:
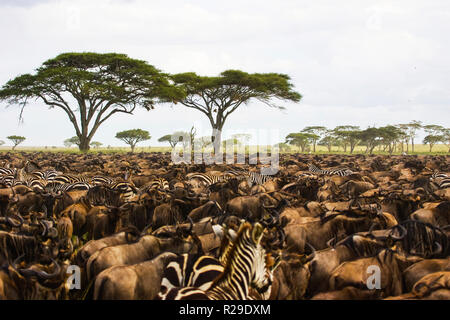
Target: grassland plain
(438,149)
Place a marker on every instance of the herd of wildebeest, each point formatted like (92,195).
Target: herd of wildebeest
(137,224)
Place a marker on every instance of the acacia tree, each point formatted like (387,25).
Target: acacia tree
(446,137)
(2,142)
(436,134)
(96,144)
(348,135)
(282,146)
(91,87)
(371,138)
(175,138)
(203,142)
(317,132)
(218,97)
(412,129)
(16,140)
(328,141)
(168,138)
(72,141)
(132,137)
(432,140)
(405,128)
(300,139)
(389,136)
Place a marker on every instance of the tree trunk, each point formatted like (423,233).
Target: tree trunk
(314,147)
(132,147)
(412,144)
(84,144)
(216,139)
(431,147)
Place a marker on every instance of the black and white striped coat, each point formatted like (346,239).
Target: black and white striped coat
(331,172)
(245,267)
(442,180)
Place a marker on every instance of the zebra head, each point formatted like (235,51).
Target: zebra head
(261,276)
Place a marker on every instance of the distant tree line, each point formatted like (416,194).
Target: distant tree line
(387,139)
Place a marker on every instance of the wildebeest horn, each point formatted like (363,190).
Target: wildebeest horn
(12,223)
(438,249)
(42,274)
(179,201)
(402,234)
(268,207)
(191,224)
(45,210)
(44,225)
(52,233)
(311,256)
(331,243)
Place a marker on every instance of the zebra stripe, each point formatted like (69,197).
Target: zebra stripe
(101,180)
(208,178)
(158,183)
(55,187)
(189,270)
(7,171)
(246,266)
(442,180)
(70,178)
(127,190)
(251,177)
(340,172)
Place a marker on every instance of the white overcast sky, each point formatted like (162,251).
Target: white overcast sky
(354,61)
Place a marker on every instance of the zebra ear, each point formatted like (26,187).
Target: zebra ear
(218,230)
(257,232)
(232,235)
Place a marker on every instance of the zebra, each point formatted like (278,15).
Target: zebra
(7,180)
(7,171)
(251,177)
(60,188)
(101,180)
(48,175)
(189,270)
(208,178)
(340,172)
(442,180)
(246,265)
(71,178)
(258,178)
(156,184)
(127,190)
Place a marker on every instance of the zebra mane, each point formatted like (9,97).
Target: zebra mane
(226,258)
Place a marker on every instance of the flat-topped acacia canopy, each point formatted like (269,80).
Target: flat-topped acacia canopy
(218,97)
(91,87)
